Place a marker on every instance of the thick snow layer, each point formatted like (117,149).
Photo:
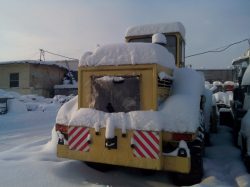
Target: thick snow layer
(217,83)
(246,77)
(229,83)
(180,112)
(163,75)
(159,38)
(188,81)
(129,53)
(49,63)
(23,103)
(156,28)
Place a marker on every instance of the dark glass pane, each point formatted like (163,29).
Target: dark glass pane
(171,42)
(115,93)
(14,83)
(14,76)
(14,80)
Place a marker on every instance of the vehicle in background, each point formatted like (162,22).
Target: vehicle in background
(240,66)
(244,120)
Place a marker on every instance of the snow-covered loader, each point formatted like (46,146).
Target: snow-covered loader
(136,107)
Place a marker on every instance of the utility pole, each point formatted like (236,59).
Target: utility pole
(42,55)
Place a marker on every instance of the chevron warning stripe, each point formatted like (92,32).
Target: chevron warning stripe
(78,139)
(146,144)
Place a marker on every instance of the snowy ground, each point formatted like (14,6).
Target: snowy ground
(27,159)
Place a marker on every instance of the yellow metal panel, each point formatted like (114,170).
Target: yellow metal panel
(163,93)
(148,85)
(22,69)
(177,164)
(122,156)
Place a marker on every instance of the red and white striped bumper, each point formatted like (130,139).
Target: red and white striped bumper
(146,144)
(78,139)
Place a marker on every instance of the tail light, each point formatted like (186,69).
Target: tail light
(182,136)
(62,128)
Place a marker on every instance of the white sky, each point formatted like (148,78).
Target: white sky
(72,27)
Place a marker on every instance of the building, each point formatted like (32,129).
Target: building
(31,76)
(221,75)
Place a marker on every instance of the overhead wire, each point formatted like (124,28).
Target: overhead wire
(220,49)
(52,53)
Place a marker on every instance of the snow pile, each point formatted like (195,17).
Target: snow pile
(67,110)
(129,53)
(188,82)
(150,29)
(16,106)
(9,94)
(23,103)
(208,85)
(185,100)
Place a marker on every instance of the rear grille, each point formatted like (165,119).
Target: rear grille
(164,83)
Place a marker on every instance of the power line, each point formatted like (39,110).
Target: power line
(42,52)
(220,49)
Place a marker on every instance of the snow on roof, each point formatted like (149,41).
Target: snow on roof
(128,53)
(228,83)
(217,83)
(156,28)
(243,58)
(50,63)
(179,113)
(246,77)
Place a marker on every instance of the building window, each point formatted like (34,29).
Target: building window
(14,80)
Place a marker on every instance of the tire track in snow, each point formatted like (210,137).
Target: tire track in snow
(222,162)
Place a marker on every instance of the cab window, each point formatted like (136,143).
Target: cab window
(171,42)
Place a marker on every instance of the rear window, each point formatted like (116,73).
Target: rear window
(115,93)
(171,42)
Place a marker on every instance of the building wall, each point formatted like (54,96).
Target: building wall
(33,78)
(44,77)
(218,74)
(22,69)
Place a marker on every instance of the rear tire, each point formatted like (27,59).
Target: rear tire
(196,172)
(191,178)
